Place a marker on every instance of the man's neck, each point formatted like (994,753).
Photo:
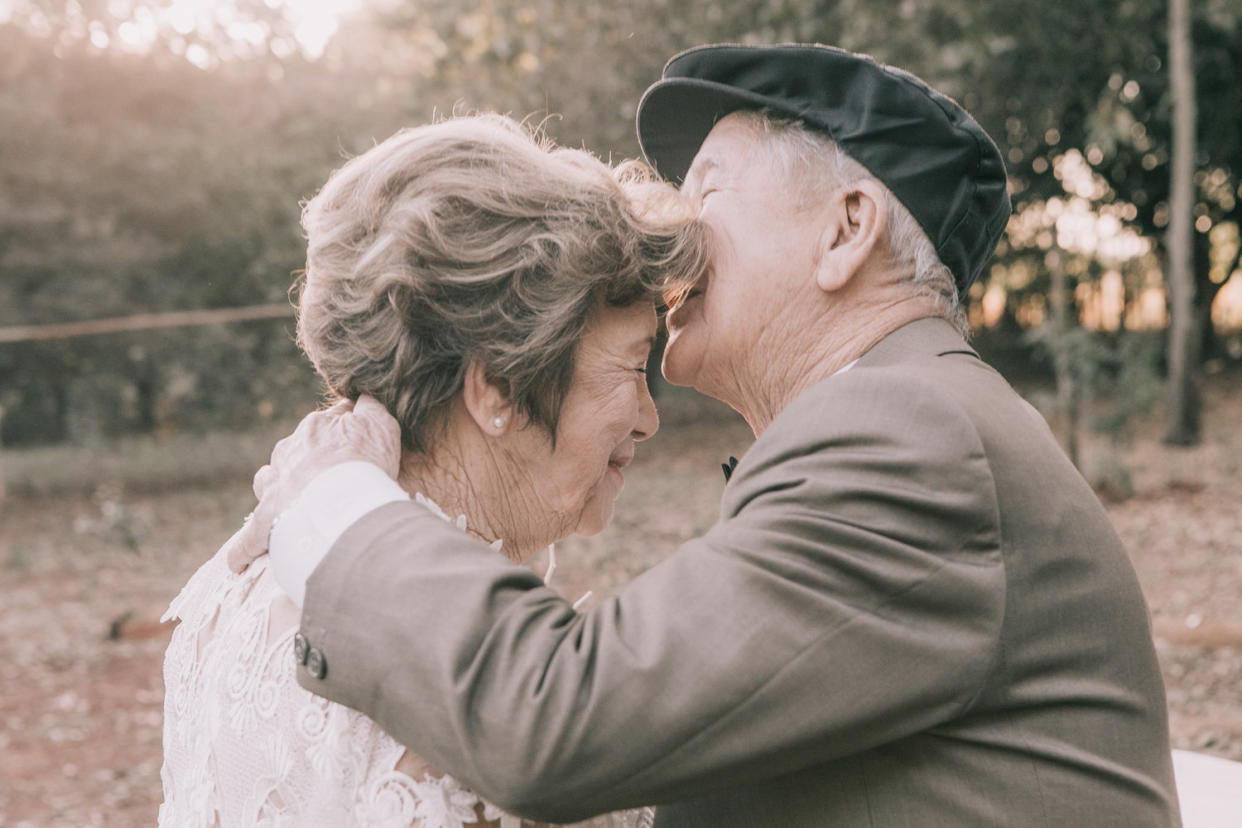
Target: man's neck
(793,365)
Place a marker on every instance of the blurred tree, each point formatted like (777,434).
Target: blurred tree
(1052,81)
(1182,427)
(1118,114)
(139,182)
(1043,77)
(168,176)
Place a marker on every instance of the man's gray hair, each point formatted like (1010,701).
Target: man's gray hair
(812,158)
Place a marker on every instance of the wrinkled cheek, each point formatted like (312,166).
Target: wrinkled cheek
(598,509)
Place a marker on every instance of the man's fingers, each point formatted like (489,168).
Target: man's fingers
(372,410)
(341,406)
(238,555)
(374,417)
(263,480)
(373,427)
(310,430)
(250,542)
(317,443)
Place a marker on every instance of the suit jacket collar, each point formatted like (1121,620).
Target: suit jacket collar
(930,336)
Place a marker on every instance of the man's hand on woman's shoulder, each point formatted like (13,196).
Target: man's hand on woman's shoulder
(346,432)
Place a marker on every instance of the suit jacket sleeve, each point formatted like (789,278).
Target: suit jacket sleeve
(851,594)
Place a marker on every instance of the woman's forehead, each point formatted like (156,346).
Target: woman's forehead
(631,328)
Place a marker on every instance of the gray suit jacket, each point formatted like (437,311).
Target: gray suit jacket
(912,612)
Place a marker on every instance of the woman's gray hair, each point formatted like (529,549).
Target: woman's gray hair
(808,156)
(476,239)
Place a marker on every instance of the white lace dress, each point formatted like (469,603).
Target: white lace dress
(246,745)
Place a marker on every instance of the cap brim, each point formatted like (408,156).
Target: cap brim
(675,116)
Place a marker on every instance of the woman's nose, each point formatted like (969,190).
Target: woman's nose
(648,418)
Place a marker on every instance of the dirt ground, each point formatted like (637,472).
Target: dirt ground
(85,578)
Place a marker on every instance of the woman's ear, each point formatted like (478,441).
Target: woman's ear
(853,233)
(487,404)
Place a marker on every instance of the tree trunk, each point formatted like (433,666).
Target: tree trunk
(2,488)
(1069,400)
(1182,391)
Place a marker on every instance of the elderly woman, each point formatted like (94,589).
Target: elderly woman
(495,295)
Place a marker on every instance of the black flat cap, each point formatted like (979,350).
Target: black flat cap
(922,145)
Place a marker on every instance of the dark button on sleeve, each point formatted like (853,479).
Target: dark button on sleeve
(316,665)
(300,648)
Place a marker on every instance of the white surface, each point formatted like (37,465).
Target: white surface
(329,505)
(1210,790)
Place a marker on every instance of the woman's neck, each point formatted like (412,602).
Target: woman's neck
(466,475)
(445,478)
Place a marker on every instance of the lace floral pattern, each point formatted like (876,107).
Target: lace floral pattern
(245,745)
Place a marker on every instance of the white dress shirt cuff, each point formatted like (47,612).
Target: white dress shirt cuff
(336,499)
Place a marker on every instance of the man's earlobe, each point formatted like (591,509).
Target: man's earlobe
(831,273)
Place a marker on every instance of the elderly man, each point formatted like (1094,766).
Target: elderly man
(912,612)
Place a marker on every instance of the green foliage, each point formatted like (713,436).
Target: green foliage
(1109,381)
(138,182)
(1080,355)
(1135,367)
(135,184)
(141,462)
(1118,374)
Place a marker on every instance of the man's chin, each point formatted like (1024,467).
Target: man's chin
(676,365)
(683,355)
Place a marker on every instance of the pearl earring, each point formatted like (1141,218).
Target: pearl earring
(498,422)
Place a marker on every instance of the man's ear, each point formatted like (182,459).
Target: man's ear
(853,233)
(487,404)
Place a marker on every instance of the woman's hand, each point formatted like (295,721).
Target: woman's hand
(340,434)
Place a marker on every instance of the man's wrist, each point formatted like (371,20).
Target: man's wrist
(333,501)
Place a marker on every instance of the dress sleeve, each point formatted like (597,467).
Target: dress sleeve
(852,594)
